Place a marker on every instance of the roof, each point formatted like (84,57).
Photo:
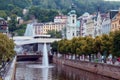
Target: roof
(72,12)
(113,13)
(86,14)
(1,18)
(38,40)
(21,38)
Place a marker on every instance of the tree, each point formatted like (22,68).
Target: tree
(54,46)
(3,14)
(62,45)
(20,30)
(97,44)
(106,45)
(17,11)
(6,48)
(89,46)
(12,24)
(54,34)
(116,44)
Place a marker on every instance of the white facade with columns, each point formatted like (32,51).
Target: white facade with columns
(72,30)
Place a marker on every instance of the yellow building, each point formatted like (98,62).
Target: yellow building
(115,23)
(53,26)
(43,28)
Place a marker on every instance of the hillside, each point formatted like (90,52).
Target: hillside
(81,5)
(64,5)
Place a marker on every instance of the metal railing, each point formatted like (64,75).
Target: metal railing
(4,68)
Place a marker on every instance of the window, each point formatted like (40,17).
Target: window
(73,21)
(73,34)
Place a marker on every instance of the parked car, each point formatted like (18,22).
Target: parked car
(118,59)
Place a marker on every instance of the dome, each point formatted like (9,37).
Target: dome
(86,14)
(73,12)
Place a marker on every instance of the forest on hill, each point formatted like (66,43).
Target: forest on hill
(63,5)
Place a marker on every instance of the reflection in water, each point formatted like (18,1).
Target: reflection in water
(23,72)
(45,74)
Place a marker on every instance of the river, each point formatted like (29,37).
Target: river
(58,72)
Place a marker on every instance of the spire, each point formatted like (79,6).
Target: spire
(72,6)
(98,9)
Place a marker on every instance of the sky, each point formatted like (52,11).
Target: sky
(112,0)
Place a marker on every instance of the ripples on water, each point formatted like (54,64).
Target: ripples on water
(23,72)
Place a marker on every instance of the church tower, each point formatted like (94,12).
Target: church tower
(71,26)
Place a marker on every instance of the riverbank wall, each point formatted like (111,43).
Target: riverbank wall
(11,72)
(107,70)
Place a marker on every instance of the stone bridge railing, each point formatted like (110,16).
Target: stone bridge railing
(108,70)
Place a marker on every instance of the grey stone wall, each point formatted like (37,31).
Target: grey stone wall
(108,70)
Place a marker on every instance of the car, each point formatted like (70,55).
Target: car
(118,59)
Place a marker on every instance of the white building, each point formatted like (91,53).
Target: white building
(72,30)
(106,25)
(83,19)
(90,27)
(60,19)
(97,24)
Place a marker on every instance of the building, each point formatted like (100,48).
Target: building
(60,19)
(72,30)
(115,23)
(3,26)
(43,28)
(52,26)
(25,11)
(83,28)
(106,24)
(38,27)
(90,27)
(97,24)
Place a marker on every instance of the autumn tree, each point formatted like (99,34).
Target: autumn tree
(6,48)
(116,44)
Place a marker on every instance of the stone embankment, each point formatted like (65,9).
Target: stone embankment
(107,70)
(11,72)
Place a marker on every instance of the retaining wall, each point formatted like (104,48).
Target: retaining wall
(11,73)
(108,70)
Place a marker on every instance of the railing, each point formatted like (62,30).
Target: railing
(11,71)
(4,69)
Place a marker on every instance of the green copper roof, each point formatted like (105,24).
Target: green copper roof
(73,12)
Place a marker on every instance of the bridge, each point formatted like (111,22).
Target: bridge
(31,48)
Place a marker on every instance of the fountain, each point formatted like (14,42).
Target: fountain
(45,62)
(45,56)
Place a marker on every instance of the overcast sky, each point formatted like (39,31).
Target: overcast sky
(112,0)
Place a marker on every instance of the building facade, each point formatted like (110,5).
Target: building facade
(3,26)
(97,24)
(83,26)
(90,27)
(52,26)
(72,30)
(106,24)
(115,24)
(60,19)
(43,28)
